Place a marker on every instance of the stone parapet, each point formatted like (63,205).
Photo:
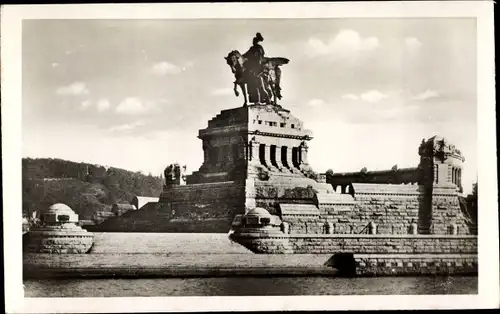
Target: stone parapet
(61,242)
(380,189)
(415,264)
(323,199)
(364,244)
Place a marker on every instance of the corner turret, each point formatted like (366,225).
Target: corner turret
(441,163)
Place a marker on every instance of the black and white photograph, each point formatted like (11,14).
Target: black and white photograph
(286,155)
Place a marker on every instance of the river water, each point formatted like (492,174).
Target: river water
(149,249)
(248,286)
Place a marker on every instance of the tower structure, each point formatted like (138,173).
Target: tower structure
(441,163)
(440,183)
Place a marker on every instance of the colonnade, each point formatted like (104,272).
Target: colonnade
(278,158)
(456,176)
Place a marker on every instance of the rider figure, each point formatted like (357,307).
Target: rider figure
(255,60)
(255,55)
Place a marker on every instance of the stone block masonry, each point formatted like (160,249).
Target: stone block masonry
(375,255)
(415,264)
(208,207)
(394,209)
(360,244)
(59,242)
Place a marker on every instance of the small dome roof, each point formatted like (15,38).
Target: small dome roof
(258,211)
(60,207)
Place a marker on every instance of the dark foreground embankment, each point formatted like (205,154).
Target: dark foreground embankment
(147,255)
(139,255)
(118,265)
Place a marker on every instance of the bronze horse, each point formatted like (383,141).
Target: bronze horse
(268,81)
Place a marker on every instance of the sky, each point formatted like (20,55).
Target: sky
(134,93)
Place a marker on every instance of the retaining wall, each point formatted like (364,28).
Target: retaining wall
(202,208)
(359,243)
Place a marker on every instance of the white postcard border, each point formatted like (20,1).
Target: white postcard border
(11,35)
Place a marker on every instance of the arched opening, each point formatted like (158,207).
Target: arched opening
(344,263)
(295,157)
(262,154)
(459,177)
(284,161)
(436,174)
(273,156)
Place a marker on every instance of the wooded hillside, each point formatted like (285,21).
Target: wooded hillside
(86,188)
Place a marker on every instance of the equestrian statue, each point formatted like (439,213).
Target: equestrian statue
(256,74)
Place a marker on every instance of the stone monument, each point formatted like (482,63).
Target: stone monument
(256,74)
(59,233)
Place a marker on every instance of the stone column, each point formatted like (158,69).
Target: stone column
(453,229)
(459,177)
(267,158)
(206,153)
(329,228)
(253,152)
(285,227)
(303,149)
(277,156)
(413,229)
(289,159)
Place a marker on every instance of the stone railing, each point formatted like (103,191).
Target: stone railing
(393,176)
(356,243)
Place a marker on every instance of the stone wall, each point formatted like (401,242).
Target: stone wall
(204,201)
(415,264)
(269,196)
(373,255)
(59,242)
(446,212)
(184,208)
(393,176)
(394,209)
(363,244)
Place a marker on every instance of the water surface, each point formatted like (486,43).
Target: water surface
(248,286)
(194,249)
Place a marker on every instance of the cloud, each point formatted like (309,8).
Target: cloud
(85,104)
(413,43)
(426,95)
(126,127)
(54,64)
(346,44)
(222,91)
(316,102)
(164,68)
(103,105)
(349,97)
(372,96)
(132,105)
(187,65)
(74,89)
